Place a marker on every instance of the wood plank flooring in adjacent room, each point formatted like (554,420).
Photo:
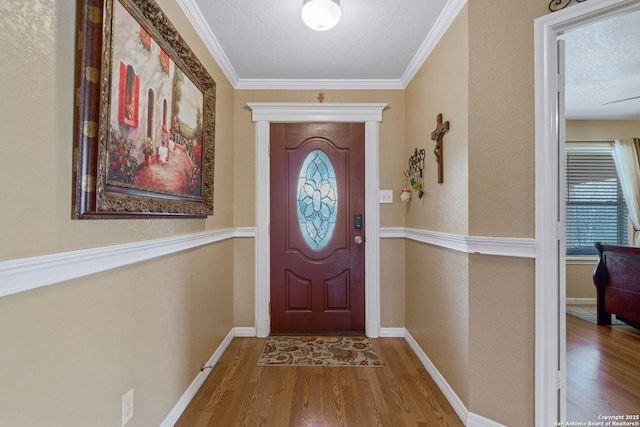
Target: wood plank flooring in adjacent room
(239,393)
(603,370)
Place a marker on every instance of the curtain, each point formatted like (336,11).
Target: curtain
(626,153)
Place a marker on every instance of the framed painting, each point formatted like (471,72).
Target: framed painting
(144,126)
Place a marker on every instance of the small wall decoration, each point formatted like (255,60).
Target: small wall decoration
(414,173)
(436,136)
(556,5)
(144,134)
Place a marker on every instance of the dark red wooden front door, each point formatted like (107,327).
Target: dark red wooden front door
(317,227)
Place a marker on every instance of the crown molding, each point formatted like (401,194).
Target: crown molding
(191,10)
(203,29)
(325,84)
(442,24)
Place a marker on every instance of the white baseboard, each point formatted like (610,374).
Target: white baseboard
(392,332)
(475,420)
(195,385)
(247,331)
(263,328)
(446,389)
(468,418)
(581,301)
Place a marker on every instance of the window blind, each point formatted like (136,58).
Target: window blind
(595,207)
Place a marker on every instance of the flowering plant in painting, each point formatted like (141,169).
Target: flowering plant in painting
(122,160)
(147,146)
(194,179)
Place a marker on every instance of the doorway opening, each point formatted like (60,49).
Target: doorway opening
(263,114)
(550,375)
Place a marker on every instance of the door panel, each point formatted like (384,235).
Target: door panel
(317,187)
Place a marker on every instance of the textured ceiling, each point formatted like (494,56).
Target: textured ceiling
(268,40)
(602,66)
(380,44)
(374,43)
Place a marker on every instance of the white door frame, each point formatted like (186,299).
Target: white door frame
(548,376)
(370,114)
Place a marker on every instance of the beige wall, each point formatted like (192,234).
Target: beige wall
(501,339)
(501,117)
(437,280)
(437,307)
(579,283)
(501,204)
(244,300)
(69,352)
(392,283)
(441,87)
(488,52)
(601,130)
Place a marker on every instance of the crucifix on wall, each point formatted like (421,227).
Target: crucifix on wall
(436,136)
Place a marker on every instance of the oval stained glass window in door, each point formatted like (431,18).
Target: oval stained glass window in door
(317,200)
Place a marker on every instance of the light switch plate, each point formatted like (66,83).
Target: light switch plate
(386,196)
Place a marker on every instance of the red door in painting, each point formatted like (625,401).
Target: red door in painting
(317,227)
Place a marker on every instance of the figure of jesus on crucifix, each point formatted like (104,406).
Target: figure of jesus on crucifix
(436,136)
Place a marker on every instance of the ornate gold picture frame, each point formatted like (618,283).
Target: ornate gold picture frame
(144,131)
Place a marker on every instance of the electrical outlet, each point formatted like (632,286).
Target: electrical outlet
(127,407)
(386,196)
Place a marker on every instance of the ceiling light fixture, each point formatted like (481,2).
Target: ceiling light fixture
(321,15)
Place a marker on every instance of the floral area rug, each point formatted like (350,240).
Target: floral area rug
(319,351)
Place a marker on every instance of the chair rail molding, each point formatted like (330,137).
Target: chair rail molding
(24,274)
(521,247)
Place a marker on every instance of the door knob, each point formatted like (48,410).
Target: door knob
(358,240)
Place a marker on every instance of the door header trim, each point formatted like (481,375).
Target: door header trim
(277,112)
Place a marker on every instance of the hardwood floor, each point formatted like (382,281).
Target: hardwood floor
(603,370)
(239,393)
